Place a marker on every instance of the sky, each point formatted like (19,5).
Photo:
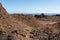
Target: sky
(31,6)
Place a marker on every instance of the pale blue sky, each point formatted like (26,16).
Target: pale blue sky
(31,6)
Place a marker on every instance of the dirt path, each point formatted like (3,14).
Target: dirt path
(46,22)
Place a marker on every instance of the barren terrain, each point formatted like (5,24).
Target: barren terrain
(28,27)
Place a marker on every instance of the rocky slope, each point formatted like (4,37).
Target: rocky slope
(28,27)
